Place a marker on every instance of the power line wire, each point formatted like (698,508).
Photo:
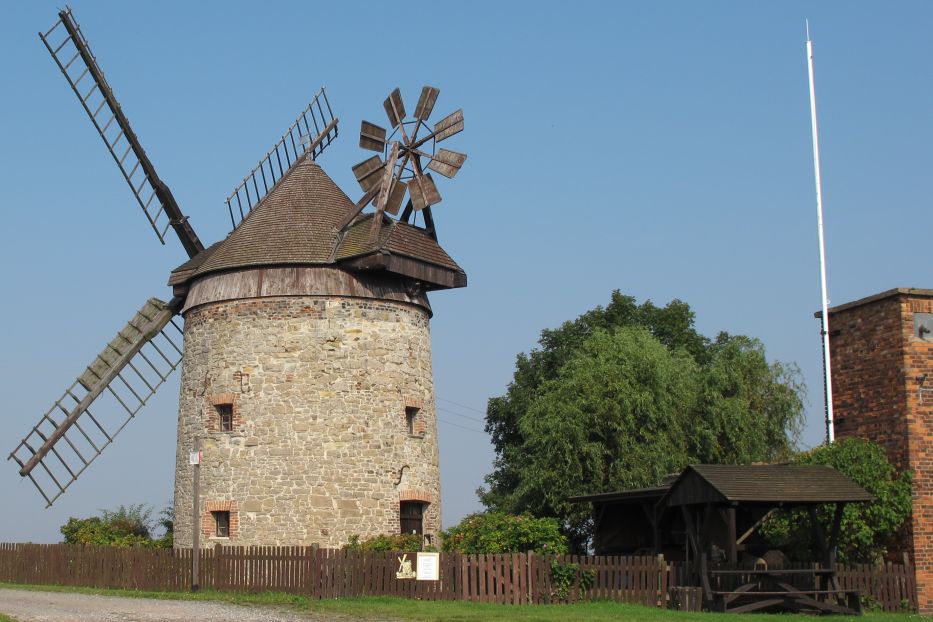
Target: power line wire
(476,410)
(462,427)
(456,414)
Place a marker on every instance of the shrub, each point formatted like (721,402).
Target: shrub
(867,528)
(497,532)
(125,526)
(400,542)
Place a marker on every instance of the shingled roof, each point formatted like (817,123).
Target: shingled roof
(768,483)
(396,237)
(296,224)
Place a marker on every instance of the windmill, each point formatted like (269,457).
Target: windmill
(306,299)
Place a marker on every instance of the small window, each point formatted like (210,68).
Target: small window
(221,524)
(225,414)
(411,514)
(410,414)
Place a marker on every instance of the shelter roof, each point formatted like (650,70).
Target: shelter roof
(770,483)
(623,496)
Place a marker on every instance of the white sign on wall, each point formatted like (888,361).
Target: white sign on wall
(428,566)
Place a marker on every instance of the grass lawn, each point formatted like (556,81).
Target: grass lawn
(400,608)
(5,618)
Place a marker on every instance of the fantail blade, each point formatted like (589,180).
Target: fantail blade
(426,102)
(447,162)
(372,137)
(395,108)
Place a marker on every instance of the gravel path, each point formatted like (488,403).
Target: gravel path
(29,606)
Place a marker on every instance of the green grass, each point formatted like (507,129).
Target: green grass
(6,618)
(405,609)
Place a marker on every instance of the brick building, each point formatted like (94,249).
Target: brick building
(882,367)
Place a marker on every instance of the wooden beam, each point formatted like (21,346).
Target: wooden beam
(732,551)
(383,196)
(837,523)
(356,209)
(654,519)
(755,526)
(818,532)
(597,522)
(691,531)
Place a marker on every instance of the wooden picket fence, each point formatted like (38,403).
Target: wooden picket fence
(890,586)
(516,578)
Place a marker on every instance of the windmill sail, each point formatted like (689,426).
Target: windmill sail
(313,130)
(73,56)
(118,383)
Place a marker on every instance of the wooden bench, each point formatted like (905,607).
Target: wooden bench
(827,601)
(764,588)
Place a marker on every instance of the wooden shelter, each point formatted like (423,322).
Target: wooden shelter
(709,516)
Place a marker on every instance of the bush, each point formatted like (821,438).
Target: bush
(389,543)
(125,526)
(497,532)
(867,528)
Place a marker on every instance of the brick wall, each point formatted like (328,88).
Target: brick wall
(209,523)
(877,359)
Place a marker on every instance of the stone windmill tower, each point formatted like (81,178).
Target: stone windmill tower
(305,352)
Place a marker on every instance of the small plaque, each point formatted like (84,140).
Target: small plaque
(405,571)
(194,457)
(428,566)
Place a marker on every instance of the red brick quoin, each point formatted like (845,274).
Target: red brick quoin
(208,520)
(881,365)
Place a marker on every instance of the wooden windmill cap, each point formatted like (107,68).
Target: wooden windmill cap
(296,224)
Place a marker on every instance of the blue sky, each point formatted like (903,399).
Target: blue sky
(662,149)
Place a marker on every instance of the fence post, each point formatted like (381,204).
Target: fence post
(529,567)
(662,581)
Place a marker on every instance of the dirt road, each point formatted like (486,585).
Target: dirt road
(28,606)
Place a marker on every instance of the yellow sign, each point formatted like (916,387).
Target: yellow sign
(404,568)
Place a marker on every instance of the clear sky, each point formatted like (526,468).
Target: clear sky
(658,148)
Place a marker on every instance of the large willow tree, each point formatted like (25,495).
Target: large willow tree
(622,396)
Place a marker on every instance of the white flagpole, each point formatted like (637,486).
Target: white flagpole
(827,377)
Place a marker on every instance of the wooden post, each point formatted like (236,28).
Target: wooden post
(733,551)
(195,519)
(529,557)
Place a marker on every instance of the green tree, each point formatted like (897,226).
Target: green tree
(496,532)
(625,394)
(867,529)
(167,522)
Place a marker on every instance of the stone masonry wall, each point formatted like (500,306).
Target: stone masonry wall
(877,360)
(320,448)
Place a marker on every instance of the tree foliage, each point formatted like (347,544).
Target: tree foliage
(496,532)
(625,394)
(125,526)
(867,529)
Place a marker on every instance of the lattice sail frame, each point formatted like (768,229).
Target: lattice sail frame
(74,58)
(298,139)
(120,380)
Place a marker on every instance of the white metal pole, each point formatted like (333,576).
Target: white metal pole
(827,374)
